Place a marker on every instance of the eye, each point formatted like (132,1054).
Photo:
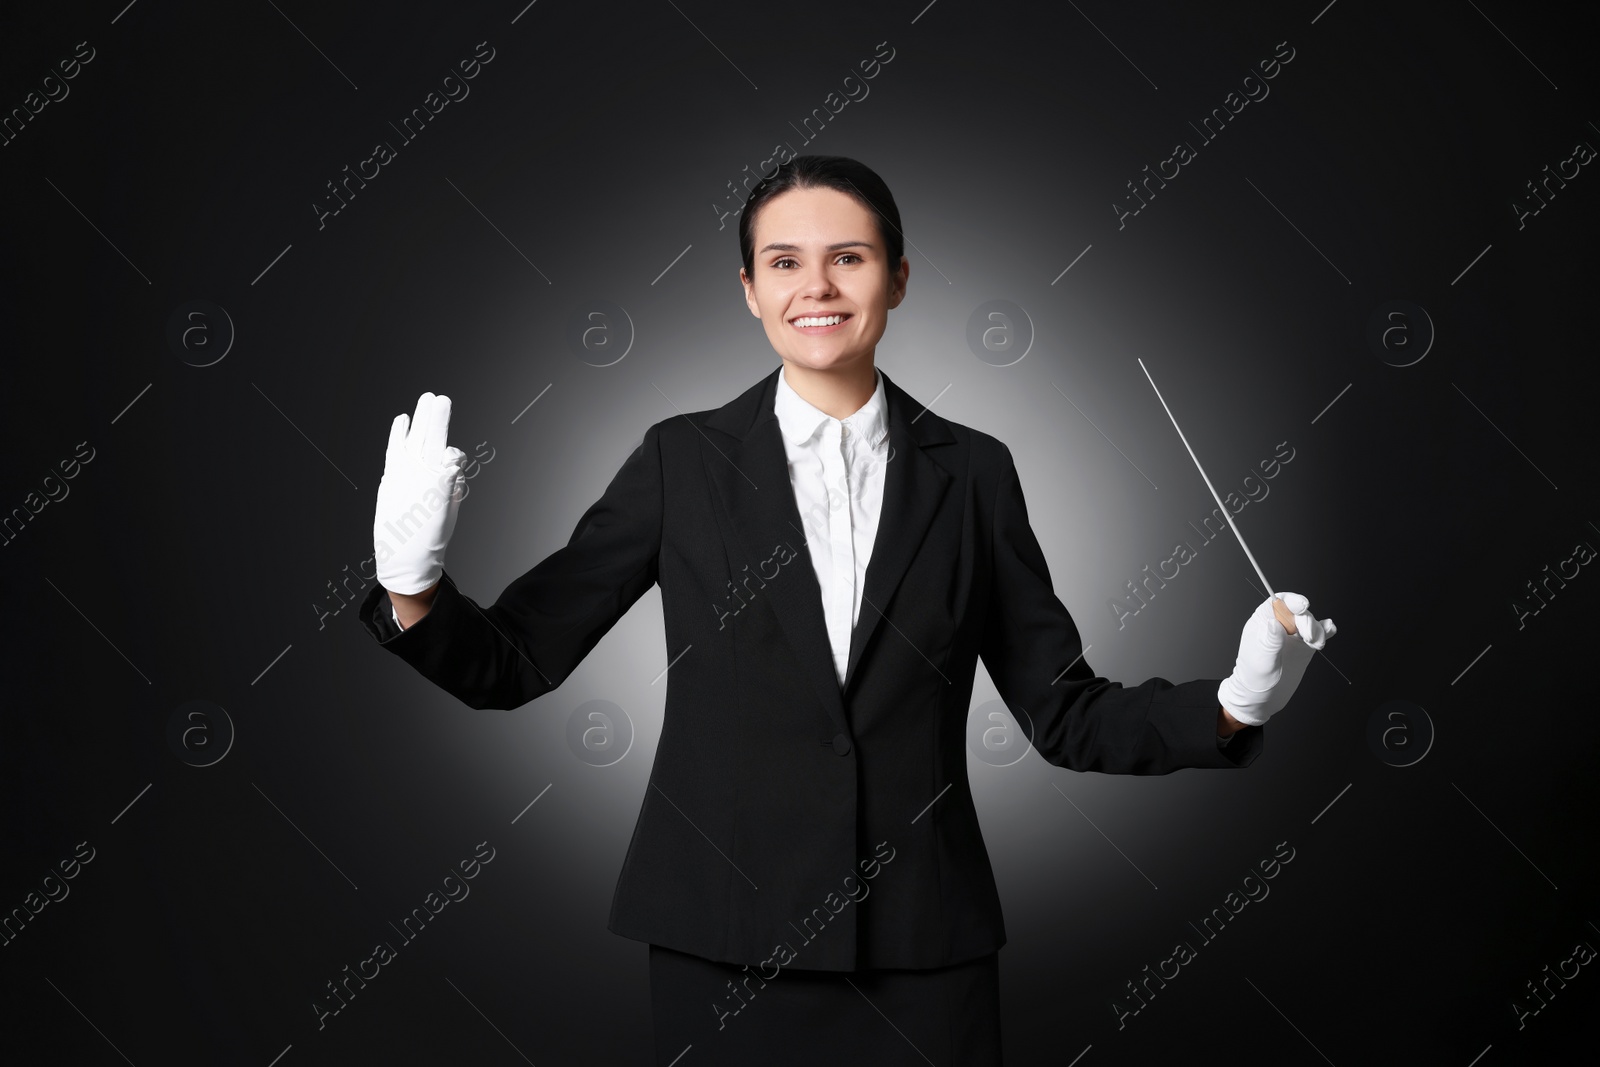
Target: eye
(851,255)
(782,261)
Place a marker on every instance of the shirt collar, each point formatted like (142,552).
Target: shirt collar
(799,419)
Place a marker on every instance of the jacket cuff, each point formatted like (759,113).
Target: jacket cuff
(1188,715)
(377,615)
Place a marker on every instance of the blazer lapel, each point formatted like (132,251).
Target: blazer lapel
(913,487)
(752,480)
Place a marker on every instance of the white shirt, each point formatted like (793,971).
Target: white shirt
(836,468)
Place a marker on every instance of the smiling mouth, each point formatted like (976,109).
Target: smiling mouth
(819,324)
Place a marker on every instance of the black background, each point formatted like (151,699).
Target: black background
(220,501)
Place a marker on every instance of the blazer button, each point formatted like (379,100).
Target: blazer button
(841,744)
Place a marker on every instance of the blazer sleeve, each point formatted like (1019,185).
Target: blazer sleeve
(1079,720)
(544,623)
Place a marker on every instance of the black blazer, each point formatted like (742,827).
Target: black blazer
(782,808)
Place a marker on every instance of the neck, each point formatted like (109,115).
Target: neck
(840,392)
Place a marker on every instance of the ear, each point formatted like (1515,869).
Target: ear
(749,293)
(897,283)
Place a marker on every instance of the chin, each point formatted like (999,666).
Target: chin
(824,361)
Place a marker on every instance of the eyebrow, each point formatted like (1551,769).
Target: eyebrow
(780,247)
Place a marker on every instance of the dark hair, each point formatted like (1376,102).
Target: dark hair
(850,177)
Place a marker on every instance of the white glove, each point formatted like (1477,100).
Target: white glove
(419,495)
(1271,661)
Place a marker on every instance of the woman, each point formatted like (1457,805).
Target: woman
(812,903)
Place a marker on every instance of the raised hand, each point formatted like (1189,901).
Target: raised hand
(418,498)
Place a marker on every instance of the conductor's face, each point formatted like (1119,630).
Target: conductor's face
(819,254)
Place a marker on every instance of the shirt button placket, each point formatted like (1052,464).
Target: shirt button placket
(842,580)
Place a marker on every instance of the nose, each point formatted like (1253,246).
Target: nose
(817,281)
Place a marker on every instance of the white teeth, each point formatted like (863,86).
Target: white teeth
(822,320)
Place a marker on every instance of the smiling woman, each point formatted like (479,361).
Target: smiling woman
(831,708)
(829,267)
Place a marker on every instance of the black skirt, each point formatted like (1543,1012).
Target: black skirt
(709,1013)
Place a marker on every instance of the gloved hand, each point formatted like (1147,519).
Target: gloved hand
(418,497)
(1271,660)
